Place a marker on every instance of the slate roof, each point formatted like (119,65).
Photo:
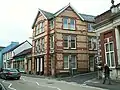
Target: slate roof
(25,52)
(48,15)
(18,46)
(89,18)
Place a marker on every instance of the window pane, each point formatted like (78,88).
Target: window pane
(90,27)
(112,59)
(107,47)
(72,24)
(66,61)
(111,46)
(108,59)
(65,23)
(65,43)
(73,61)
(73,42)
(51,42)
(51,24)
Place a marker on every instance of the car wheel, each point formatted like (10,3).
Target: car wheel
(18,78)
(5,78)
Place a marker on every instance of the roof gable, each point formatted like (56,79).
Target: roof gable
(64,8)
(47,15)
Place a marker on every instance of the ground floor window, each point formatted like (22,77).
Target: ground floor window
(109,54)
(70,62)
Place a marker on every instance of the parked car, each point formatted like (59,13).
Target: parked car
(8,73)
(21,71)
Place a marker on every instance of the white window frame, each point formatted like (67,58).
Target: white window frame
(51,24)
(68,62)
(36,30)
(52,36)
(109,54)
(69,57)
(67,23)
(41,27)
(70,24)
(70,42)
(67,42)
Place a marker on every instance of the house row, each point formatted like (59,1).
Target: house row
(17,56)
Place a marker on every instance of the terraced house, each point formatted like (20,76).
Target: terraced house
(60,42)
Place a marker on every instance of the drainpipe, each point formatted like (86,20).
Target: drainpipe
(48,47)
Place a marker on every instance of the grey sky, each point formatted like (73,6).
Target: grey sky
(17,16)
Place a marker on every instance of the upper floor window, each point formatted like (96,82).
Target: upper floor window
(37,30)
(51,24)
(41,27)
(42,44)
(51,41)
(90,27)
(69,42)
(68,23)
(92,43)
(72,24)
(66,42)
(65,23)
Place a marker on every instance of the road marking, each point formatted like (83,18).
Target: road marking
(10,84)
(2,86)
(11,87)
(3,81)
(37,83)
(48,86)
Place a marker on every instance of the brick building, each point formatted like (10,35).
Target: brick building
(60,42)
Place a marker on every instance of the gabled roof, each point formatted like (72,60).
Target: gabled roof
(89,18)
(18,46)
(25,52)
(46,14)
(69,5)
(49,15)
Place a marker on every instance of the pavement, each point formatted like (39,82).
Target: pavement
(115,85)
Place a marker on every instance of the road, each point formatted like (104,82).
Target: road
(30,83)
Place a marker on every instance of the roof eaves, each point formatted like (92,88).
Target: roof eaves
(43,13)
(35,19)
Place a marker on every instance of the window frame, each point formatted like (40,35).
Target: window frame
(66,23)
(67,60)
(52,24)
(52,42)
(69,57)
(109,52)
(71,40)
(67,41)
(70,24)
